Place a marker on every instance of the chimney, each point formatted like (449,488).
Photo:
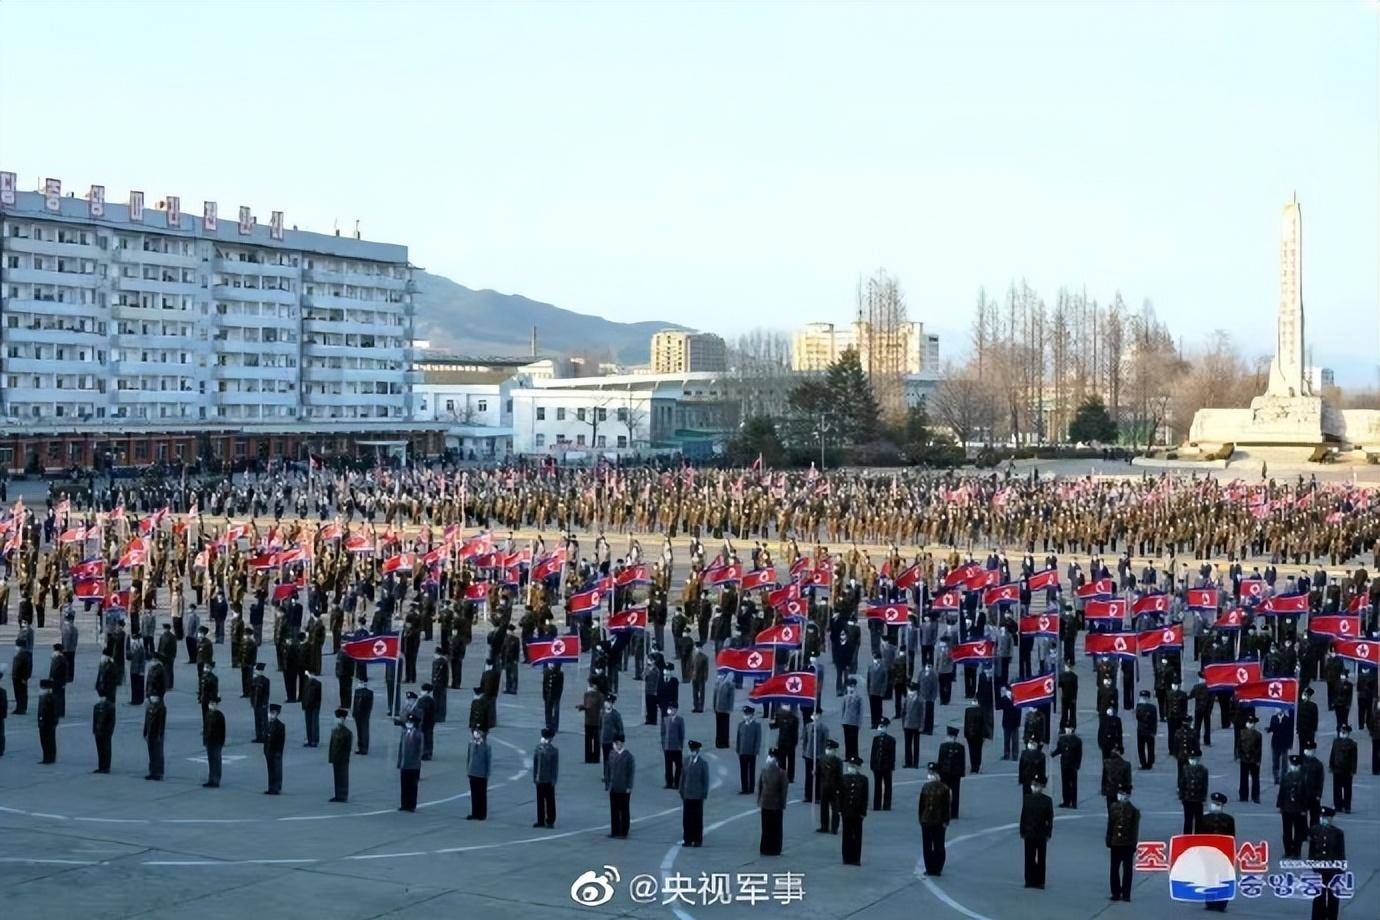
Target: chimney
(534,341)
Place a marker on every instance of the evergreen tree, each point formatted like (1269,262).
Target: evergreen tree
(1092,423)
(852,404)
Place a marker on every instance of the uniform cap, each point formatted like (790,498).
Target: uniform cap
(1220,798)
(274,707)
(855,760)
(748,710)
(1327,811)
(694,745)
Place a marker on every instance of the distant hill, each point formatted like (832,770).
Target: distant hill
(456,318)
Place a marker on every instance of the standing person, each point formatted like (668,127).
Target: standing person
(1326,842)
(546,764)
(936,810)
(1342,762)
(882,762)
(1193,790)
(136,657)
(1036,827)
(478,760)
(610,726)
(440,683)
(22,668)
(1069,750)
(311,708)
(592,706)
(426,711)
(155,722)
(747,745)
(552,686)
(1281,731)
(622,769)
(723,699)
(213,738)
(1147,726)
(829,774)
(771,799)
(927,687)
(47,721)
(259,691)
(694,789)
(912,720)
(1217,821)
(787,725)
(852,806)
(338,754)
(951,768)
(410,763)
(362,709)
(672,743)
(103,728)
(812,749)
(1249,746)
(975,733)
(1123,833)
(699,678)
(878,683)
(275,739)
(1292,802)
(344,677)
(851,717)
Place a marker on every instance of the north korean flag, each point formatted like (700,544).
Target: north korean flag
(130,559)
(283,592)
(90,590)
(584,601)
(909,578)
(1201,598)
(512,575)
(1358,604)
(1151,603)
(979,650)
(955,577)
(632,575)
(947,600)
(1364,651)
(1154,640)
(1337,626)
(787,635)
(1228,675)
(476,546)
(791,687)
(631,619)
(383,647)
(117,600)
(293,556)
(1278,692)
(402,562)
(1230,619)
(724,575)
(801,565)
(477,592)
(1101,589)
(331,532)
(1114,609)
(91,568)
(1118,645)
(821,575)
(794,610)
(358,543)
(1253,590)
(1002,594)
(982,579)
(750,662)
(888,614)
(1034,692)
(1285,603)
(562,649)
(74,535)
(547,566)
(1049,578)
(778,597)
(1044,624)
(759,578)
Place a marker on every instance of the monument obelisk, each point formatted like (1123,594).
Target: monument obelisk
(1287,378)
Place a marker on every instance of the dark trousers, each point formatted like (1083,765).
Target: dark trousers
(155,746)
(552,714)
(47,739)
(1202,726)
(275,773)
(720,729)
(974,755)
(881,791)
(213,762)
(619,813)
(852,841)
(697,697)
(1295,832)
(829,814)
(874,705)
(591,744)
(313,720)
(850,741)
(912,748)
(1326,905)
(362,736)
(136,689)
(345,690)
(1341,791)
(928,727)
(747,773)
(955,784)
(1193,813)
(479,797)
(1120,871)
(1145,750)
(932,848)
(771,832)
(789,764)
(103,753)
(1068,781)
(1250,782)
(673,763)
(410,779)
(946,688)
(340,772)
(651,710)
(1068,715)
(692,822)
(1035,863)
(546,804)
(246,674)
(810,790)
(21,695)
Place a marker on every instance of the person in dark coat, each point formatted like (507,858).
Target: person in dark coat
(213,739)
(771,799)
(622,770)
(1326,842)
(21,669)
(552,687)
(1116,772)
(103,728)
(338,755)
(545,771)
(935,814)
(787,725)
(155,723)
(47,721)
(852,806)
(1123,833)
(1217,821)
(747,745)
(410,763)
(275,739)
(1193,791)
(694,789)
(310,698)
(1036,827)
(723,698)
(1249,746)
(361,710)
(975,733)
(952,767)
(882,762)
(259,691)
(426,714)
(1292,802)
(1069,750)
(478,766)
(1342,762)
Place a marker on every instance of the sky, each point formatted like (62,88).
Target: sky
(732,165)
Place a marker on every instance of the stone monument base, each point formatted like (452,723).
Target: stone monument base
(1286,421)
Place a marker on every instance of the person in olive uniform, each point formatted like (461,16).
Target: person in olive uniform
(47,721)
(1036,827)
(103,727)
(546,764)
(952,767)
(338,754)
(1217,821)
(1292,802)
(1326,841)
(1342,762)
(213,738)
(935,799)
(1193,790)
(852,806)
(1250,744)
(275,739)
(771,799)
(1123,833)
(882,762)
(591,705)
(829,772)
(1069,750)
(694,789)
(155,723)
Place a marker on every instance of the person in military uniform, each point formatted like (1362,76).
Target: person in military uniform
(479,711)
(1250,744)
(103,728)
(546,765)
(410,763)
(1217,821)
(259,690)
(21,669)
(787,725)
(672,744)
(275,739)
(1326,842)
(723,699)
(747,745)
(213,738)
(344,676)
(1123,833)
(694,789)
(1069,750)
(478,766)
(935,814)
(771,799)
(1314,779)
(1307,720)
(622,769)
(552,686)
(155,723)
(1292,802)
(1036,827)
(852,806)
(1193,790)
(1116,772)
(829,773)
(1342,762)
(882,762)
(1147,726)
(440,684)
(361,710)
(850,717)
(1030,765)
(975,733)
(338,755)
(592,706)
(47,721)
(951,767)
(815,740)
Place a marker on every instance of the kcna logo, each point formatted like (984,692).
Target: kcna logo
(591,889)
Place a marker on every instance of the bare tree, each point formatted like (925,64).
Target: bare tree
(964,403)
(759,373)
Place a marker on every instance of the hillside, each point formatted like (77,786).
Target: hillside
(456,318)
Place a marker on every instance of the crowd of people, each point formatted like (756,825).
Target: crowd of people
(319,564)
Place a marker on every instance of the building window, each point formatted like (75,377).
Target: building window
(483,405)
(541,440)
(580,440)
(622,441)
(600,441)
(541,413)
(622,414)
(580,414)
(603,414)
(450,405)
(560,413)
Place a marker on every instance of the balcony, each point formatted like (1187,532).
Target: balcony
(253,294)
(139,256)
(356,279)
(152,340)
(245,372)
(228,346)
(354,327)
(157,286)
(354,399)
(261,269)
(158,314)
(348,375)
(47,248)
(61,279)
(374,352)
(137,368)
(55,337)
(337,302)
(51,366)
(240,398)
(129,397)
(55,308)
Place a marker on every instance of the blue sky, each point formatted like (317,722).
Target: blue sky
(735,164)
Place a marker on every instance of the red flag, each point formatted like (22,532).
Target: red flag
(957,576)
(1105,610)
(331,532)
(1043,624)
(1101,589)
(759,578)
(372,648)
(1002,594)
(982,578)
(801,565)
(788,593)
(477,591)
(1230,619)
(822,575)
(402,562)
(1228,675)
(630,619)
(562,649)
(1049,578)
(1152,640)
(889,614)
(358,543)
(980,650)
(632,575)
(947,600)
(1278,692)
(282,592)
(787,635)
(1365,651)
(89,590)
(262,561)
(1253,589)
(291,556)
(1033,692)
(909,578)
(793,609)
(73,535)
(91,568)
(584,601)
(117,599)
(1358,604)
(547,566)
(1285,603)
(1338,626)
(1202,598)
(750,662)
(1151,603)
(791,687)
(129,560)
(1118,644)
(723,575)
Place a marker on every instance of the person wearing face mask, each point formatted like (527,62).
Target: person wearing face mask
(338,755)
(1342,762)
(361,709)
(1030,765)
(672,743)
(951,768)
(852,799)
(1193,790)
(213,737)
(1326,841)
(935,814)
(275,739)
(426,714)
(851,717)
(771,799)
(1217,821)
(410,763)
(1036,827)
(610,726)
(1108,731)
(1123,833)
(103,728)
(1292,802)
(477,764)
(622,768)
(694,789)
(882,761)
(1116,772)
(546,762)
(747,745)
(1069,750)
